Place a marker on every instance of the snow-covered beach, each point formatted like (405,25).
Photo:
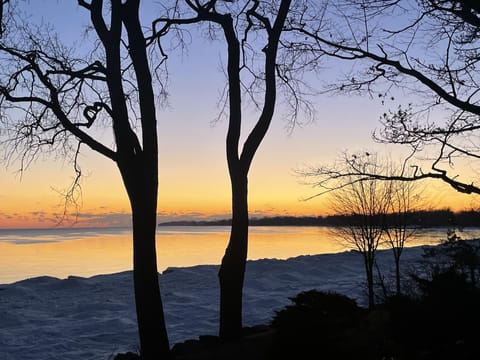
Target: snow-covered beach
(94,318)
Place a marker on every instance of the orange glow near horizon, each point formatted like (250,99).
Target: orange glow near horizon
(202,193)
(188,188)
(104,211)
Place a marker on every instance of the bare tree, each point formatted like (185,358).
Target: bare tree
(365,202)
(256,67)
(404,200)
(430,50)
(51,100)
(396,199)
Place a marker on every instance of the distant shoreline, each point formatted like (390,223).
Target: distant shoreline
(424,219)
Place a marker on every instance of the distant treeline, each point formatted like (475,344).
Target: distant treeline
(433,218)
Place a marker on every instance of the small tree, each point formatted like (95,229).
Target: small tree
(51,100)
(365,202)
(360,184)
(404,200)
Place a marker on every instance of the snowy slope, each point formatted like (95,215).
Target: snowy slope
(94,318)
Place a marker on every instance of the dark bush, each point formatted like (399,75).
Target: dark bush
(462,256)
(439,323)
(451,304)
(327,324)
(317,308)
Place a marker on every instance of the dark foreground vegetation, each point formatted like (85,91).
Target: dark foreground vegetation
(425,218)
(436,317)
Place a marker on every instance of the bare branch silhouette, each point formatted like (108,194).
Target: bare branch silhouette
(432,52)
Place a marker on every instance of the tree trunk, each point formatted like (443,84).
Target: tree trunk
(232,269)
(370,288)
(151,321)
(142,190)
(397,274)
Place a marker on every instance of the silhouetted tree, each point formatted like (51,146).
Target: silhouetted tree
(366,201)
(252,32)
(404,200)
(427,48)
(387,204)
(51,100)
(232,269)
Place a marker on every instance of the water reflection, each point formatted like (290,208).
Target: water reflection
(87,252)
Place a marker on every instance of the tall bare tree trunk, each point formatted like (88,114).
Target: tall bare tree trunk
(369,262)
(232,270)
(153,336)
(142,190)
(397,272)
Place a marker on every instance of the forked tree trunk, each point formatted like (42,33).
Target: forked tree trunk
(232,269)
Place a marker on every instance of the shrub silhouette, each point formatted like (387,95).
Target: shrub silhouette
(316,323)
(316,308)
(438,323)
(463,256)
(450,312)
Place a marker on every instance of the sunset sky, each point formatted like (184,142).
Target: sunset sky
(193,174)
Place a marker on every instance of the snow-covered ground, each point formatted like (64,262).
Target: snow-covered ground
(94,318)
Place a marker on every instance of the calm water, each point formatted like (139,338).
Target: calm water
(87,252)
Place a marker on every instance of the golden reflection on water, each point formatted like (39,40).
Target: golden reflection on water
(178,247)
(83,257)
(109,252)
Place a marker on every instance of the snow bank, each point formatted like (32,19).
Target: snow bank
(94,318)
